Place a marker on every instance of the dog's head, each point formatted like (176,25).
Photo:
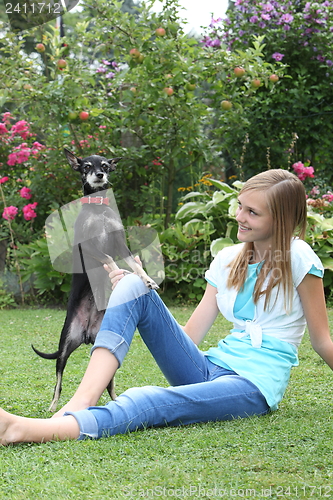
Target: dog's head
(94,170)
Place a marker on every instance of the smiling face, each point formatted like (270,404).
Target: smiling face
(255,222)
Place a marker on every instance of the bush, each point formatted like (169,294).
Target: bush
(298,35)
(51,285)
(206,223)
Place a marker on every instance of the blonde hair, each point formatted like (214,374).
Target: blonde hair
(286,200)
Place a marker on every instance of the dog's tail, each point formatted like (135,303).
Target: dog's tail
(53,355)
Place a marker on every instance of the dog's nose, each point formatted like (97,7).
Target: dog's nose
(100,175)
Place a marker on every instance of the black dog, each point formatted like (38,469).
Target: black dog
(99,238)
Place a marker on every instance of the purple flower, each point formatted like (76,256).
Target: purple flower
(209,42)
(101,70)
(254,19)
(287,18)
(215,21)
(329,62)
(107,63)
(265,17)
(268,7)
(277,56)
(110,75)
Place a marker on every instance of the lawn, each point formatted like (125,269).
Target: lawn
(287,454)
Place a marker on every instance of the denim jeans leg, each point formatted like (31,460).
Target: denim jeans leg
(133,306)
(227,397)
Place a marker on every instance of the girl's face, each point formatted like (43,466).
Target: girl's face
(255,223)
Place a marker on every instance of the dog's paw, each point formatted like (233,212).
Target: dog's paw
(150,283)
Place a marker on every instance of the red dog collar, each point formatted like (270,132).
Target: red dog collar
(97,200)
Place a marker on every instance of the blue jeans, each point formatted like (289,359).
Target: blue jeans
(199,390)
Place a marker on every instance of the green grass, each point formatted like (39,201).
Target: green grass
(287,454)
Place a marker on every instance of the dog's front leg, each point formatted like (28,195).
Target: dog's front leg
(150,283)
(110,262)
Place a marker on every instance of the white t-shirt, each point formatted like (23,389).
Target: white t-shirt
(262,349)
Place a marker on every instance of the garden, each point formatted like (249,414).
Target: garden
(191,117)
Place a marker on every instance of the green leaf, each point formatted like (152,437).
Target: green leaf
(195,194)
(96,111)
(190,209)
(219,244)
(222,185)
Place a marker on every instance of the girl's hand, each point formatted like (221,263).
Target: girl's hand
(118,274)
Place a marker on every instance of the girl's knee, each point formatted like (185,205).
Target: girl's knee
(130,287)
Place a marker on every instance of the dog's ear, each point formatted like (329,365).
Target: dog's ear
(73,160)
(113,162)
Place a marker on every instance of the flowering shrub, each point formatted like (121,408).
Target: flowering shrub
(317,201)
(13,189)
(11,212)
(299,35)
(307,21)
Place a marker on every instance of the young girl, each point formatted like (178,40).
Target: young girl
(268,286)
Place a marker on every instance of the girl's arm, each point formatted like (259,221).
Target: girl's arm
(311,292)
(203,316)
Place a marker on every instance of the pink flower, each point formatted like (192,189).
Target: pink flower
(315,191)
(25,193)
(29,211)
(3,129)
(37,145)
(3,180)
(6,118)
(21,128)
(21,154)
(303,172)
(328,196)
(10,213)
(298,167)
(12,159)
(311,201)
(308,172)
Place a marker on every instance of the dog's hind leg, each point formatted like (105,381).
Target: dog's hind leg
(111,390)
(66,351)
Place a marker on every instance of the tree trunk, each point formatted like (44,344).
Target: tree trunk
(171,181)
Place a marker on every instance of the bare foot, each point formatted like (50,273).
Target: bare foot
(8,428)
(15,429)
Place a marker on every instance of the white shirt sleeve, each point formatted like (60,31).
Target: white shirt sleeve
(303,260)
